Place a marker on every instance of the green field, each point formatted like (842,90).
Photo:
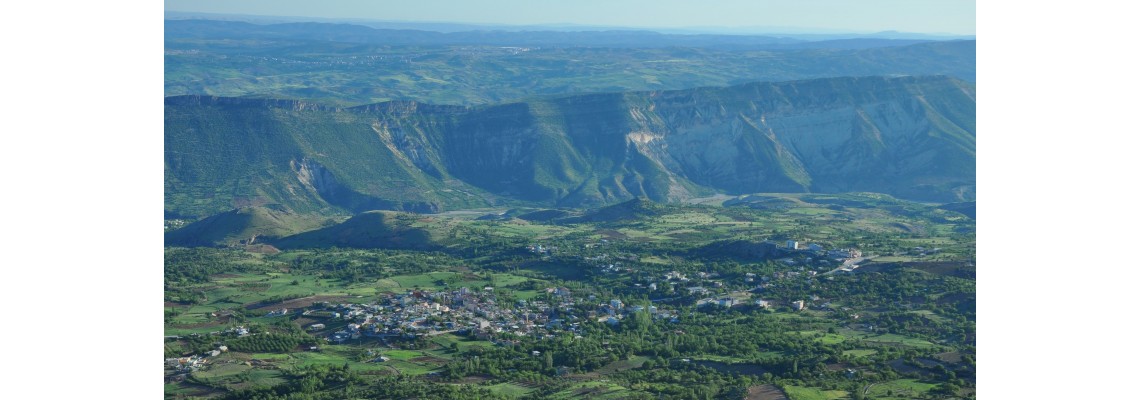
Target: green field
(402,355)
(900,389)
(809,393)
(446,340)
(825,338)
(509,389)
(592,390)
(890,338)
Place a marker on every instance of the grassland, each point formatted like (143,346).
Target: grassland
(809,393)
(592,390)
(510,389)
(899,389)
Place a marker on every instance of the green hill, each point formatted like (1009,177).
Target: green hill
(373,229)
(633,210)
(247,225)
(968,208)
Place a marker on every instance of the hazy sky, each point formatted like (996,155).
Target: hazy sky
(855,16)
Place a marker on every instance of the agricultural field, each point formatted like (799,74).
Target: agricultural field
(900,389)
(807,393)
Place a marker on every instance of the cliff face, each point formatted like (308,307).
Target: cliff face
(912,137)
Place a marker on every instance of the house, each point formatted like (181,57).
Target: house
(798,305)
(765,304)
(275,313)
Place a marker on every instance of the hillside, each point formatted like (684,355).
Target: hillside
(374,229)
(633,210)
(911,137)
(968,208)
(247,225)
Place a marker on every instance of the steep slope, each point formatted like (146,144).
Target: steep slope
(912,137)
(223,153)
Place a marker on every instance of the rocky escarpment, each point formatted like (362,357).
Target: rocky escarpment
(913,137)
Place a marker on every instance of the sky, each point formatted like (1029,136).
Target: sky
(823,16)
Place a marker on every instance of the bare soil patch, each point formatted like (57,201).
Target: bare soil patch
(302,302)
(254,286)
(765,392)
(611,234)
(838,366)
(262,249)
(196,326)
(950,357)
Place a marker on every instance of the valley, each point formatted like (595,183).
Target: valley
(622,298)
(353,211)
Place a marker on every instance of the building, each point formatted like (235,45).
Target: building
(616,304)
(793,245)
(798,305)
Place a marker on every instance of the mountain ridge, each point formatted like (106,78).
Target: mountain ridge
(907,136)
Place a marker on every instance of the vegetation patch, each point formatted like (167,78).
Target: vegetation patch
(810,393)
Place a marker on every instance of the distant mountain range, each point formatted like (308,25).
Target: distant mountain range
(399,34)
(809,34)
(912,137)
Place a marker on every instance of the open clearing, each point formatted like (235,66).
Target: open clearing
(765,392)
